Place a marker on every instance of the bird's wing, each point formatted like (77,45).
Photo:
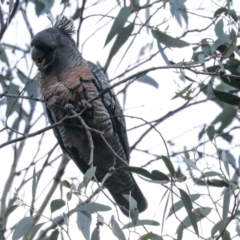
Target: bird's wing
(112,105)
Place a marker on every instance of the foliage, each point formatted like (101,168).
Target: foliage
(145,44)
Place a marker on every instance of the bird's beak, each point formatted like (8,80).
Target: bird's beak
(38,57)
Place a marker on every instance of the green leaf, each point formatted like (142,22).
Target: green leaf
(34,184)
(47,5)
(227,97)
(120,40)
(167,202)
(92,207)
(12,103)
(206,48)
(201,58)
(143,222)
(157,175)
(163,54)
(56,205)
(132,208)
(148,80)
(210,132)
(188,206)
(232,81)
(23,227)
(10,7)
(220,11)
(54,235)
(105,178)
(43,6)
(150,236)
(95,234)
(210,174)
(217,183)
(229,51)
(169,165)
(38,7)
(168,40)
(190,164)
(69,196)
(89,175)
(225,162)
(226,205)
(9,211)
(179,204)
(77,14)
(24,79)
(233,15)
(35,230)
(84,220)
(226,117)
(3,56)
(219,226)
(32,87)
(65,183)
(200,214)
(117,231)
(232,65)
(32,91)
(81,186)
(118,23)
(219,30)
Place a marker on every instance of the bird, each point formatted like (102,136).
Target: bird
(70,84)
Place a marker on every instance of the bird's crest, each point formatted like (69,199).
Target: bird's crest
(65,25)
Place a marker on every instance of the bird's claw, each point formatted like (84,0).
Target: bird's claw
(85,104)
(68,107)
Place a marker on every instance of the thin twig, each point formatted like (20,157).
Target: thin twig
(14,10)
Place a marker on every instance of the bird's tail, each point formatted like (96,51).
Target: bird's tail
(123,203)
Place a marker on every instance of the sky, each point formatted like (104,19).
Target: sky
(143,101)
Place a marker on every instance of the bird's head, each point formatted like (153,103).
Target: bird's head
(53,45)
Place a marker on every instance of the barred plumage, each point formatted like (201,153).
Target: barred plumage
(66,78)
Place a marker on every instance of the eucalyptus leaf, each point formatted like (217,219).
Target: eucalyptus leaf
(227,97)
(225,162)
(179,204)
(188,206)
(169,165)
(190,164)
(118,23)
(143,222)
(168,40)
(210,132)
(56,205)
(148,80)
(9,211)
(34,230)
(34,184)
(95,234)
(120,40)
(23,227)
(117,231)
(89,174)
(92,207)
(84,220)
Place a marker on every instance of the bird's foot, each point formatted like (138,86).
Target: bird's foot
(86,107)
(68,107)
(85,104)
